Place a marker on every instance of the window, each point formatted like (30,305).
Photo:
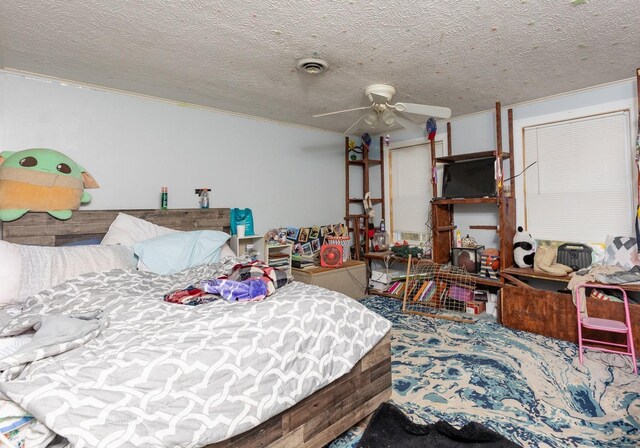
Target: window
(410,191)
(580,187)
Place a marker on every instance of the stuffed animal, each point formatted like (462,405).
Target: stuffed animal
(41,180)
(524,249)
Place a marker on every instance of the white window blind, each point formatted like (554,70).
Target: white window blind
(410,191)
(580,189)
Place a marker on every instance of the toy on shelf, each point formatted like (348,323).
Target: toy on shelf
(432,127)
(355,151)
(468,241)
(524,249)
(490,263)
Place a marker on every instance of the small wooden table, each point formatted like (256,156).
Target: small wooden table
(349,279)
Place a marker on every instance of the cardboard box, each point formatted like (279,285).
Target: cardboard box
(475,307)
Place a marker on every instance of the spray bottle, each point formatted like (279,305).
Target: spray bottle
(164,198)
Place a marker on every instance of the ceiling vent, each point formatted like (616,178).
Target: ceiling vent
(312,66)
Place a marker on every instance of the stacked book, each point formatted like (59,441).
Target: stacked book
(396,287)
(426,291)
(279,260)
(302,261)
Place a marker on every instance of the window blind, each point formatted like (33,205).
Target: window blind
(580,189)
(410,188)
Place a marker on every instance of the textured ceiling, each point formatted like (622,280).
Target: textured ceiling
(240,56)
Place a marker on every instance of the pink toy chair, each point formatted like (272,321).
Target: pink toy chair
(604,325)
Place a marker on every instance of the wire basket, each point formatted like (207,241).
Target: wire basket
(345,242)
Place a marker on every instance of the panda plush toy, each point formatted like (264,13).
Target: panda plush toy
(524,248)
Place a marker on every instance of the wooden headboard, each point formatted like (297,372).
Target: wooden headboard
(44,230)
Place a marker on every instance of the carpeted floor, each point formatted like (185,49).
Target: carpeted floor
(530,388)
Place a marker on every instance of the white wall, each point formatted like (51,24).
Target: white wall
(134,145)
(476,132)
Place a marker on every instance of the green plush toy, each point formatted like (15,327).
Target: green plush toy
(42,180)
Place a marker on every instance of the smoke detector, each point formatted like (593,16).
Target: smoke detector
(313,66)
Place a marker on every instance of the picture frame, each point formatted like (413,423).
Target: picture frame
(303,237)
(292,233)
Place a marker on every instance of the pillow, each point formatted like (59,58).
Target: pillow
(226,251)
(621,251)
(177,251)
(27,270)
(128,230)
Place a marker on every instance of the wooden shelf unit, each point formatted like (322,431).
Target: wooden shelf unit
(442,210)
(278,252)
(358,223)
(239,244)
(470,156)
(390,259)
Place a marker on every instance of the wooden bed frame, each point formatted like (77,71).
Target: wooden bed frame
(44,230)
(313,422)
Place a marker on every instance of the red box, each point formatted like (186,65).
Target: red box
(475,307)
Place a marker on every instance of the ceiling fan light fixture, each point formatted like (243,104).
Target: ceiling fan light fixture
(388,118)
(312,66)
(371,118)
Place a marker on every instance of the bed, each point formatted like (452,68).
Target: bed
(312,422)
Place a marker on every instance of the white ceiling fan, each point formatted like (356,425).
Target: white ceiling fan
(389,114)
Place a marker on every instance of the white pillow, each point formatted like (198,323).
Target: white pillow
(128,230)
(27,270)
(172,253)
(226,251)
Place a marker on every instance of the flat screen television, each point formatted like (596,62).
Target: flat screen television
(471,179)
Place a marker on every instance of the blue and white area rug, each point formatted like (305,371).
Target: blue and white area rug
(530,388)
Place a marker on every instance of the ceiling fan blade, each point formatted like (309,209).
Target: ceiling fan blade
(423,109)
(409,125)
(341,111)
(354,124)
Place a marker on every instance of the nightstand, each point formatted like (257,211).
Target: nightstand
(239,244)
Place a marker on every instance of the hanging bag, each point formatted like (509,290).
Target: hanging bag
(242,216)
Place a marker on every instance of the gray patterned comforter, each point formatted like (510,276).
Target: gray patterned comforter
(152,373)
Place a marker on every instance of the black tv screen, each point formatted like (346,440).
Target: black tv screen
(472,179)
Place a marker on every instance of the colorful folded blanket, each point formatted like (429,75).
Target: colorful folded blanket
(247,282)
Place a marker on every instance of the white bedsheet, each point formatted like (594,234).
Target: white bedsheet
(162,374)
